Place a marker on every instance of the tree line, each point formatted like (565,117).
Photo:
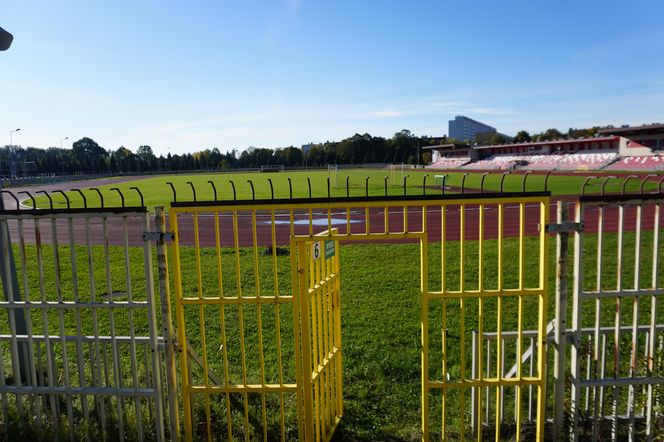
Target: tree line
(87,156)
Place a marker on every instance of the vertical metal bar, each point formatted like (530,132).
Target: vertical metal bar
(154,345)
(238,282)
(79,328)
(311,222)
(296,290)
(182,338)
(302,270)
(575,365)
(327,312)
(168,333)
(653,320)
(63,341)
(424,325)
(261,356)
(318,344)
(12,293)
(480,320)
(282,413)
(616,333)
(132,331)
(30,343)
(201,327)
(443,286)
(386,218)
(519,334)
(598,313)
(117,377)
(635,322)
(336,302)
(560,336)
(405,218)
(313,318)
(587,390)
(5,402)
(222,319)
(543,302)
(325,379)
(488,373)
(474,403)
(499,324)
(44,315)
(602,374)
(462,321)
(530,373)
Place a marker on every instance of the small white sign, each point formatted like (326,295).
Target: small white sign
(316,250)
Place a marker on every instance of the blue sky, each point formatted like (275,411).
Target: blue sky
(232,74)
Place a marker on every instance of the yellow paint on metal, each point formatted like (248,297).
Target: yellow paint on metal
(315,301)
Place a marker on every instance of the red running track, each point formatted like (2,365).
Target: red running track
(115,227)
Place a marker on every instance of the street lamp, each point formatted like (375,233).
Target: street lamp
(11,141)
(61,140)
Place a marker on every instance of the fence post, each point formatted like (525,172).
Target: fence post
(167,325)
(13,294)
(560,344)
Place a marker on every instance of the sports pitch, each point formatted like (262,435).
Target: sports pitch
(352,182)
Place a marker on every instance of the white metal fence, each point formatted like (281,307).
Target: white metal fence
(605,354)
(78,326)
(617,318)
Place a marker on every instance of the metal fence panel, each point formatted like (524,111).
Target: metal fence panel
(616,329)
(79,340)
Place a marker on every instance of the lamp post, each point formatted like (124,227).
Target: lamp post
(61,140)
(11,141)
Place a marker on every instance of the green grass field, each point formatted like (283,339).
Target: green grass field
(156,191)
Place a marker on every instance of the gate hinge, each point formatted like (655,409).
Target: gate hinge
(158,236)
(565,227)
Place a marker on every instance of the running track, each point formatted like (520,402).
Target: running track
(115,226)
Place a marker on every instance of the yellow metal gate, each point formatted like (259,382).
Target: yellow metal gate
(320,319)
(261,345)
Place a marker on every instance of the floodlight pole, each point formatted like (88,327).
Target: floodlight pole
(11,140)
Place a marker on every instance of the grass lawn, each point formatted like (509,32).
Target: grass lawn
(157,192)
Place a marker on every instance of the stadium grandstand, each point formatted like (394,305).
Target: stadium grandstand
(625,148)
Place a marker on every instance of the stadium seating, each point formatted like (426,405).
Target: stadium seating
(585,161)
(646,162)
(571,161)
(496,162)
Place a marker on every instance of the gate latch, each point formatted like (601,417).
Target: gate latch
(158,236)
(565,227)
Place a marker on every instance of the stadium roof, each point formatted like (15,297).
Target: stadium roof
(449,146)
(547,143)
(645,129)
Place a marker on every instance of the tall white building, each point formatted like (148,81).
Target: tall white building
(464,128)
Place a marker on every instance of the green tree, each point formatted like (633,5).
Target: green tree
(522,137)
(90,156)
(147,158)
